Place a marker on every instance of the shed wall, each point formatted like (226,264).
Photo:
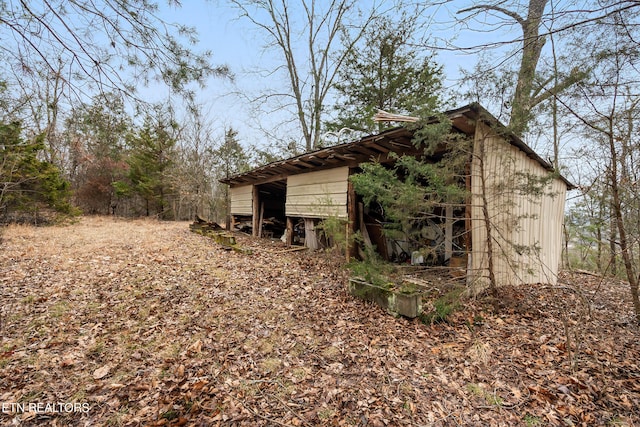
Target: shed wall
(526,227)
(318,194)
(241,200)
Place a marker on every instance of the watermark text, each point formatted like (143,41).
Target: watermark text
(44,408)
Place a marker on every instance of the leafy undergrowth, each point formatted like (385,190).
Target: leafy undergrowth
(146,323)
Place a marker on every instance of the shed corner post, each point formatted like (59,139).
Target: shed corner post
(352,218)
(468,221)
(255,205)
(289,232)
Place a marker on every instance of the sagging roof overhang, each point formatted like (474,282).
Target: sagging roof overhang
(348,154)
(377,148)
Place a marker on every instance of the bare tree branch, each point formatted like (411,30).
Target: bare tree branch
(112,44)
(484,7)
(311,70)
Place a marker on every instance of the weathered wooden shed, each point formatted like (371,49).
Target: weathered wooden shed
(526,228)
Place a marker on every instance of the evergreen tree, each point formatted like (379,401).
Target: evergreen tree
(386,74)
(150,157)
(231,159)
(28,184)
(417,190)
(231,155)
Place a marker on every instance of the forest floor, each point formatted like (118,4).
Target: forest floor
(117,322)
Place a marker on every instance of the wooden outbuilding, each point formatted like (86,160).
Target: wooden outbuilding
(526,228)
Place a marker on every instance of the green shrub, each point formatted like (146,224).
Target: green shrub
(443,307)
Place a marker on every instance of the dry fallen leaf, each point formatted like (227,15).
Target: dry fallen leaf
(212,336)
(67,362)
(196,347)
(101,372)
(180,371)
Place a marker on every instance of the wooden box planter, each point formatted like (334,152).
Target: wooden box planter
(225,239)
(395,301)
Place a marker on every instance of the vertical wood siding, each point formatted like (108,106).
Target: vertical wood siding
(241,200)
(527,228)
(318,194)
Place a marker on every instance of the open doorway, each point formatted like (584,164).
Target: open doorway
(271,221)
(434,240)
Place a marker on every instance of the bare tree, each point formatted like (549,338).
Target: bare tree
(610,114)
(43,106)
(328,30)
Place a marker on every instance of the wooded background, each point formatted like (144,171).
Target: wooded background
(76,134)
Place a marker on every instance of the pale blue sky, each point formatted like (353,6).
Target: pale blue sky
(237,43)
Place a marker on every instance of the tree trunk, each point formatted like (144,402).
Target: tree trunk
(487,221)
(599,233)
(613,238)
(619,220)
(531,48)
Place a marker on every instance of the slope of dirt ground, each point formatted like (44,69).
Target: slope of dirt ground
(114,322)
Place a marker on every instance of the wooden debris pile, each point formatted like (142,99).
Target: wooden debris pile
(216,232)
(202,226)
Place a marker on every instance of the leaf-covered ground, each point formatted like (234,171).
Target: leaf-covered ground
(146,323)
